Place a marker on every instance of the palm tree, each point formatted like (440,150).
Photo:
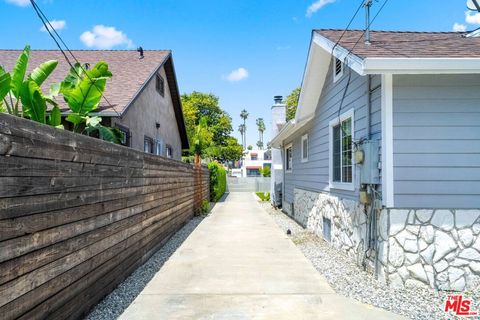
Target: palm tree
(260,145)
(244,115)
(261,129)
(241,129)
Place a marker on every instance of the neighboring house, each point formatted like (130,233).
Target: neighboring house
(143,95)
(394,123)
(254,160)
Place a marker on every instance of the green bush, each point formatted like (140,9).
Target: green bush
(264,196)
(218,181)
(205,206)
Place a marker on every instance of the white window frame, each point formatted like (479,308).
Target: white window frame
(304,137)
(335,184)
(286,155)
(336,76)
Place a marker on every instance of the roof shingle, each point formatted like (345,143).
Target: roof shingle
(404,44)
(129,72)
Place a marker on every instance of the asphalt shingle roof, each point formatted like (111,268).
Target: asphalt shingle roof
(129,72)
(400,44)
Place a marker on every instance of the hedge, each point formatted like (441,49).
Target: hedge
(218,181)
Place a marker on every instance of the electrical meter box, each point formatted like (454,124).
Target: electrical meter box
(370,172)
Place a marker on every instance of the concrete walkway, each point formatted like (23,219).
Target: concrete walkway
(239,265)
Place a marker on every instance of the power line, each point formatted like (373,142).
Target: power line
(49,27)
(368,27)
(348,25)
(345,61)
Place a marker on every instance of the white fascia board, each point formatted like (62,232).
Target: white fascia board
(421,65)
(284,133)
(352,61)
(287,131)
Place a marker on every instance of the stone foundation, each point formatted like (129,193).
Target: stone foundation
(438,249)
(347,217)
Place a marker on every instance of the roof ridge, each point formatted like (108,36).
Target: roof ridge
(94,50)
(392,31)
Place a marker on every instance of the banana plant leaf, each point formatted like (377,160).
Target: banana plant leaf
(55,117)
(42,72)
(85,97)
(33,102)
(75,118)
(19,71)
(73,78)
(5,80)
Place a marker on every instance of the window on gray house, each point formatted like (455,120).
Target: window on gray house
(160,85)
(288,158)
(169,151)
(158,147)
(342,152)
(148,144)
(124,135)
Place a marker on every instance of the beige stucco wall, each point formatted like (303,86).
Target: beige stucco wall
(148,109)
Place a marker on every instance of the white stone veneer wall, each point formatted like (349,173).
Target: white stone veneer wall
(439,249)
(348,221)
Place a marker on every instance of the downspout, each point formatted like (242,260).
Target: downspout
(369,107)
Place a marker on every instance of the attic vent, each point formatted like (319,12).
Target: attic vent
(338,70)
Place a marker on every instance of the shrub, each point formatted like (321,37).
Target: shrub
(205,206)
(264,196)
(218,181)
(266,171)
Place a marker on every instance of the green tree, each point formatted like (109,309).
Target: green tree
(261,130)
(241,129)
(244,115)
(221,146)
(291,102)
(197,105)
(229,153)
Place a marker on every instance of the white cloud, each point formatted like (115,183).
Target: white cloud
(56,24)
(237,75)
(472,18)
(458,27)
(104,37)
(317,5)
(20,3)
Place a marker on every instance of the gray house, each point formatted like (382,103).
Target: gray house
(383,156)
(142,98)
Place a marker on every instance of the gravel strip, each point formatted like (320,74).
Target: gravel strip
(347,279)
(113,305)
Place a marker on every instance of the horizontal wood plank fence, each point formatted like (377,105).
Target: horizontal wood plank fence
(78,215)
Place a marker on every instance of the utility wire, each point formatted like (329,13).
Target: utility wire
(368,27)
(350,70)
(49,27)
(348,25)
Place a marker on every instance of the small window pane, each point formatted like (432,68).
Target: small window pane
(160,85)
(305,148)
(288,158)
(148,145)
(336,154)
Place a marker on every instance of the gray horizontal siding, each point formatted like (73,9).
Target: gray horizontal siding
(314,174)
(436,137)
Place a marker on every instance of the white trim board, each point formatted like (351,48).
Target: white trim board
(350,186)
(396,65)
(387,141)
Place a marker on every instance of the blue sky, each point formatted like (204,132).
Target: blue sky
(244,51)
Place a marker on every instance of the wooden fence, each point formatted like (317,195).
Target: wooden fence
(78,215)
